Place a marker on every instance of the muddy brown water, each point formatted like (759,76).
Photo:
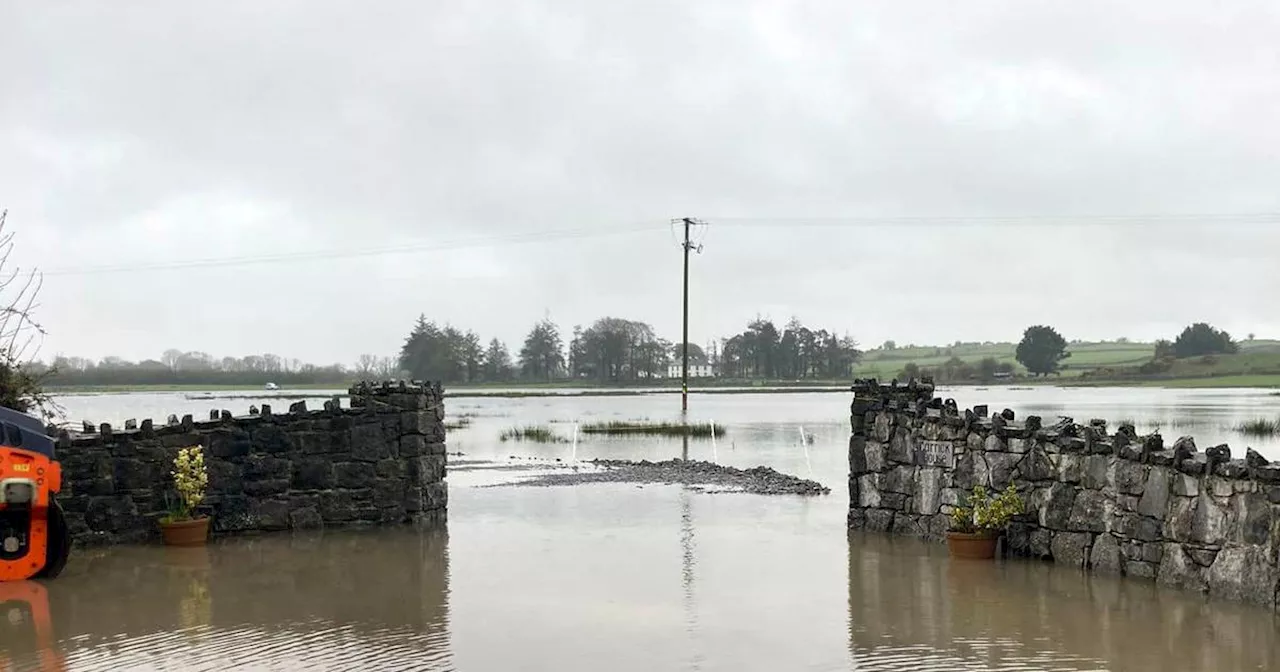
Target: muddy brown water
(627,577)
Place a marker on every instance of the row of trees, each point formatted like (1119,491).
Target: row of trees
(176,367)
(956,370)
(618,350)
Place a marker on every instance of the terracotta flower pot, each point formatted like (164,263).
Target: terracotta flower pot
(186,532)
(979,545)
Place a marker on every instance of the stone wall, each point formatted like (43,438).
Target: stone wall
(381,461)
(1117,502)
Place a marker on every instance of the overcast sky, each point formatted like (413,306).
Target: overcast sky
(486,163)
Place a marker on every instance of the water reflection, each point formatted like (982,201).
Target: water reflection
(368,600)
(912,607)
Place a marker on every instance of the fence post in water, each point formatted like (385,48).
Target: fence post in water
(804,441)
(573,457)
(715,453)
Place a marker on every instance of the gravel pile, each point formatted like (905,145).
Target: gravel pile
(756,480)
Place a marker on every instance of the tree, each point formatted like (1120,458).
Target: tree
(889,345)
(21,378)
(615,350)
(1042,350)
(497,361)
(542,357)
(696,354)
(1163,350)
(1202,339)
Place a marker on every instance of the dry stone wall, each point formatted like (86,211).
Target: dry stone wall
(380,461)
(1113,502)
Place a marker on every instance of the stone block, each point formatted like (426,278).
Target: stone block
(927,490)
(262,467)
(228,443)
(1184,485)
(1155,493)
(868,491)
(270,514)
(1097,471)
(436,496)
(368,442)
(353,475)
(1036,466)
(1140,569)
(418,422)
(306,518)
(899,479)
(1245,573)
(1129,478)
(1071,548)
(1179,570)
(1071,468)
(1105,555)
(1089,512)
(265,488)
(900,447)
(132,474)
(1055,512)
(313,473)
(879,520)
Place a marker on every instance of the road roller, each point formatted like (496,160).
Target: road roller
(34,538)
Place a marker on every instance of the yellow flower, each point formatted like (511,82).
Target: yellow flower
(190,478)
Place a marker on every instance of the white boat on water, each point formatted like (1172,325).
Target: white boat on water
(272,386)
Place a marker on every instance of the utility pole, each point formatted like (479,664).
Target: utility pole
(688,245)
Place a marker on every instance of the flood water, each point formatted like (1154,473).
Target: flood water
(623,577)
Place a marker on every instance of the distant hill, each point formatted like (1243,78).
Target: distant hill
(1095,357)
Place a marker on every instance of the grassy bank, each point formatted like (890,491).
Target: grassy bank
(532,433)
(648,428)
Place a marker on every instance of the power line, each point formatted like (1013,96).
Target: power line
(1009,220)
(489,241)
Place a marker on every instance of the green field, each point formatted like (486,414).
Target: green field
(887,364)
(1093,364)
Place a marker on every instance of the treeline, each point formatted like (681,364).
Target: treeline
(176,367)
(956,370)
(614,350)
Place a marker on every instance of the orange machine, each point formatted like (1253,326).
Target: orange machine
(34,539)
(26,627)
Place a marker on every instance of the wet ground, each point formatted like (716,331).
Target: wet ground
(631,575)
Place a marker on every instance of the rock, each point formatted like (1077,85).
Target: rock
(1105,555)
(1217,454)
(1055,512)
(1254,459)
(1183,448)
(1243,573)
(1071,548)
(1155,494)
(1178,569)
(1089,512)
(1130,477)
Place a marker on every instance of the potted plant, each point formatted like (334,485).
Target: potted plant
(976,525)
(183,527)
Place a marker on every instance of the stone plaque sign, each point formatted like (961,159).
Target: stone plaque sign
(934,454)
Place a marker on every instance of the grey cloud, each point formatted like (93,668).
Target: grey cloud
(164,132)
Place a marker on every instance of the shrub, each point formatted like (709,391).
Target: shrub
(981,512)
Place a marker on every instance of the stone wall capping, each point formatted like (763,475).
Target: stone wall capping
(1116,502)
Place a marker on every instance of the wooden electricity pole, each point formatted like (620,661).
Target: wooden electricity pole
(688,246)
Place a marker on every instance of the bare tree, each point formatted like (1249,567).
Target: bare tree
(21,382)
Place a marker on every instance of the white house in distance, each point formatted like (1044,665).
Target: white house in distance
(695,371)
